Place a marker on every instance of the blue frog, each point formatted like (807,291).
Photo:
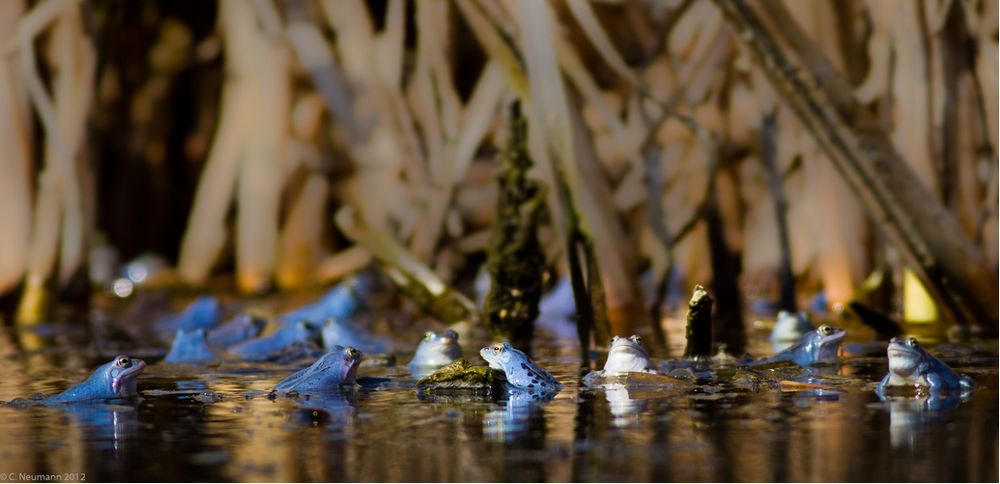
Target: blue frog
(910,365)
(273,345)
(237,330)
(343,332)
(521,372)
(202,313)
(114,380)
(334,369)
(190,347)
(821,346)
(343,301)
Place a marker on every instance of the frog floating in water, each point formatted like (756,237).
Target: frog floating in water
(343,301)
(273,345)
(202,313)
(336,368)
(521,372)
(341,332)
(788,328)
(815,347)
(436,350)
(910,365)
(190,347)
(111,381)
(237,330)
(628,355)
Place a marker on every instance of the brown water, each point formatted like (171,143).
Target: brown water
(178,432)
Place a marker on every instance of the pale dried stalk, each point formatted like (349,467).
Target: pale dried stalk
(206,230)
(15,185)
(300,248)
(261,172)
(246,157)
(59,192)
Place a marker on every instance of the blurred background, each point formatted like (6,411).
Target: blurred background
(220,139)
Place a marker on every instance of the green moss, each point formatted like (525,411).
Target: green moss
(461,377)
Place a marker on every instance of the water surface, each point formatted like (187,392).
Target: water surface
(216,423)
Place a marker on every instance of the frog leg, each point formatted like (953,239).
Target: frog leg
(966,384)
(935,383)
(880,389)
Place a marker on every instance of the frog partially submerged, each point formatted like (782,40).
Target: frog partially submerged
(334,369)
(628,355)
(343,301)
(190,347)
(237,330)
(202,313)
(789,328)
(521,372)
(343,332)
(436,350)
(274,344)
(910,365)
(111,381)
(820,346)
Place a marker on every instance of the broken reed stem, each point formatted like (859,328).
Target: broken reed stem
(786,278)
(699,325)
(413,277)
(515,258)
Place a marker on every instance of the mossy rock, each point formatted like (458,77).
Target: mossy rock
(462,377)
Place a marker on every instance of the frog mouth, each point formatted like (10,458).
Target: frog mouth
(899,351)
(350,371)
(127,375)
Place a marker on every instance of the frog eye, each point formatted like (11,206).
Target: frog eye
(351,352)
(636,339)
(123,362)
(428,336)
(498,348)
(614,339)
(826,330)
(911,342)
(451,334)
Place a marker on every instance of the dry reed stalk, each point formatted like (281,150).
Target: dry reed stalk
(341,264)
(206,230)
(262,170)
(15,163)
(300,246)
(63,121)
(248,154)
(927,234)
(411,275)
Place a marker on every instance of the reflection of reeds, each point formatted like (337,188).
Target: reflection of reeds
(630,104)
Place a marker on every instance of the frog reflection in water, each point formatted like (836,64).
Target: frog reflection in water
(436,350)
(815,347)
(521,372)
(336,368)
(628,355)
(910,365)
(112,380)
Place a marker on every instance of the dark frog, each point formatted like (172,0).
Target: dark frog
(910,365)
(112,380)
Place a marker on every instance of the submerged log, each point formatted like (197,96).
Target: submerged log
(515,259)
(699,325)
(925,232)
